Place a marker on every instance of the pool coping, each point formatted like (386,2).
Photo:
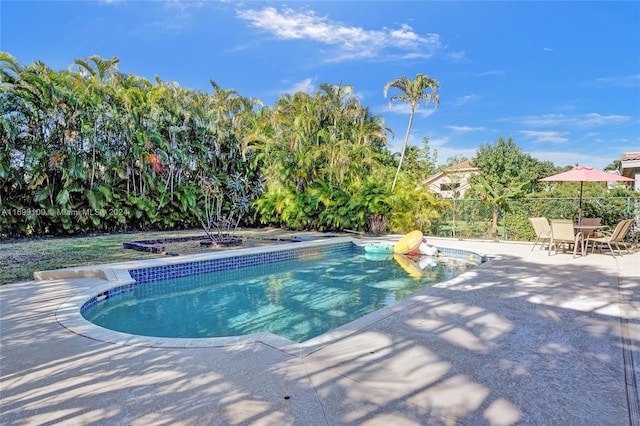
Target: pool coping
(95,280)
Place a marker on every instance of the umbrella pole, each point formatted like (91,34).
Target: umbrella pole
(580,207)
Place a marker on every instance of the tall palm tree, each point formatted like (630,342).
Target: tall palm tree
(413,91)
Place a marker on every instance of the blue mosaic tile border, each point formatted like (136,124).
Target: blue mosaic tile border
(159,273)
(124,289)
(462,254)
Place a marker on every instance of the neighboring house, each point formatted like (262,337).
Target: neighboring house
(630,167)
(453,181)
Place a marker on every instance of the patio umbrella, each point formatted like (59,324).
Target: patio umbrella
(584,174)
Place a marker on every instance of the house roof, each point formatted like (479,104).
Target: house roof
(630,156)
(630,166)
(465,166)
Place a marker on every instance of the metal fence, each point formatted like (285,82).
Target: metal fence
(470,218)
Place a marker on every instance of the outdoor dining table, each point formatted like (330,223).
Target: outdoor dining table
(580,231)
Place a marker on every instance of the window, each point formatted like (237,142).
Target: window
(449,186)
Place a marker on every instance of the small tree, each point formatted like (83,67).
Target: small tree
(414,207)
(499,199)
(505,165)
(226,201)
(421,162)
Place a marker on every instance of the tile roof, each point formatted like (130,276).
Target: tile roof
(464,165)
(630,156)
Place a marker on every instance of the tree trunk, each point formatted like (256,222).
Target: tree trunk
(404,148)
(494,223)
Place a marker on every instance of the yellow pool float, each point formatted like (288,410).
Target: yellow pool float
(409,243)
(409,266)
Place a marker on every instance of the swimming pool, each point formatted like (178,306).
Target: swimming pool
(297,294)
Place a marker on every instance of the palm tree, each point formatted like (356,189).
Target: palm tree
(413,91)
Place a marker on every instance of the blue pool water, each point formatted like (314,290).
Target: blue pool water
(297,299)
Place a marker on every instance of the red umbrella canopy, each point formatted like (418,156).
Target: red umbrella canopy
(585,174)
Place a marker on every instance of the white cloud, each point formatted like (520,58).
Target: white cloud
(595,119)
(462,100)
(586,120)
(178,15)
(183,5)
(458,57)
(492,73)
(546,137)
(593,136)
(628,81)
(438,142)
(305,85)
(465,129)
(349,42)
(545,120)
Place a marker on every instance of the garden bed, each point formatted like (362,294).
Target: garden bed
(158,245)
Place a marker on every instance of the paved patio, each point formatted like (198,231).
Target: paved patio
(524,339)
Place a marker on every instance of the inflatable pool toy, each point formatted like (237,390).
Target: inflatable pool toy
(408,265)
(384,248)
(378,257)
(409,243)
(427,250)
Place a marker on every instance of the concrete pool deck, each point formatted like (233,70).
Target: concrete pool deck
(526,338)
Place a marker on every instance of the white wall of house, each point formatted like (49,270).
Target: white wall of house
(630,167)
(453,182)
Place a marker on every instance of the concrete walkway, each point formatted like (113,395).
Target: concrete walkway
(524,339)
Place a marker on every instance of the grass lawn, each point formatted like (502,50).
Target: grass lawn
(21,258)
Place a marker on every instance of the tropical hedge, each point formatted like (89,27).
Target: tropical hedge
(90,149)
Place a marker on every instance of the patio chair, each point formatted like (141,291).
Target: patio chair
(562,232)
(589,221)
(542,229)
(615,238)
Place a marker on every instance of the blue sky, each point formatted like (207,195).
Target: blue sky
(561,78)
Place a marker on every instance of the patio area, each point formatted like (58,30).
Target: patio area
(525,338)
